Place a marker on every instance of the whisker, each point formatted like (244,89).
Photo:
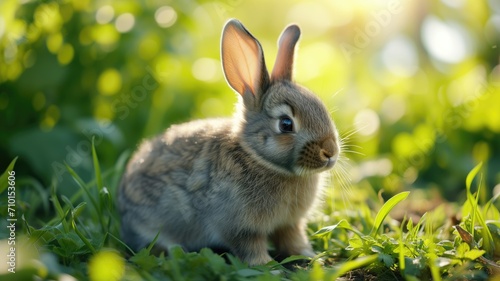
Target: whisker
(349,151)
(347,134)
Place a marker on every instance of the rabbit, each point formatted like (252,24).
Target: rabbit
(235,183)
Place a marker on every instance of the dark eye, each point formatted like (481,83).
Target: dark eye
(286,124)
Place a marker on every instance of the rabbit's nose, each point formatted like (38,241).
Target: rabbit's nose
(328,148)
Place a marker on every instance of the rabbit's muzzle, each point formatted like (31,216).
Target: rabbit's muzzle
(319,154)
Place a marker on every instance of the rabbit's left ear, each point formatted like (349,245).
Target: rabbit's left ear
(283,67)
(243,61)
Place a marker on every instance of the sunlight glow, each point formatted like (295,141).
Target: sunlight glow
(400,57)
(393,108)
(165,16)
(2,26)
(445,42)
(367,122)
(205,69)
(125,22)
(105,14)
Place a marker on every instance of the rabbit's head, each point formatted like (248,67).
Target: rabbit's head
(285,126)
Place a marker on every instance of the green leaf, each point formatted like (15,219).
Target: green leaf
(345,267)
(294,258)
(248,272)
(472,174)
(329,229)
(59,210)
(474,254)
(216,262)
(386,209)
(356,243)
(144,260)
(317,273)
(5,176)
(386,259)
(78,209)
(83,186)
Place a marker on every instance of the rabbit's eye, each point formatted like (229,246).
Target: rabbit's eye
(285,124)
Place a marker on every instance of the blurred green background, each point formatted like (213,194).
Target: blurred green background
(412,85)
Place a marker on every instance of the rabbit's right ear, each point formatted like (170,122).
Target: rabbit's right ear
(243,62)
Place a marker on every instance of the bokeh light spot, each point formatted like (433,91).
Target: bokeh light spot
(106,266)
(2,26)
(109,82)
(400,57)
(48,18)
(65,54)
(125,22)
(149,46)
(105,14)
(105,34)
(320,57)
(403,145)
(205,69)
(367,122)
(321,21)
(50,118)
(165,16)
(393,108)
(54,42)
(445,42)
(103,110)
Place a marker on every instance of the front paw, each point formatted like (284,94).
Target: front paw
(308,252)
(258,260)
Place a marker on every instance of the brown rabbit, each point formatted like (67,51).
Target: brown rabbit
(234,183)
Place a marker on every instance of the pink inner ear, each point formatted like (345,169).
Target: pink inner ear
(242,58)
(283,67)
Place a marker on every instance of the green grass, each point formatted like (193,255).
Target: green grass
(81,239)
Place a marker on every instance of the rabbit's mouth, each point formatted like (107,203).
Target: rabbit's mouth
(331,162)
(318,156)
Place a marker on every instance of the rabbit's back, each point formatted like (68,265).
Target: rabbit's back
(167,181)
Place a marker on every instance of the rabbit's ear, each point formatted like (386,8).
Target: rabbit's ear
(243,60)
(283,66)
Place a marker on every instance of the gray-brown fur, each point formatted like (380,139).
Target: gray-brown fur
(240,182)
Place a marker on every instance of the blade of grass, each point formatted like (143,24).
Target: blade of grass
(82,237)
(5,176)
(59,210)
(118,169)
(341,224)
(345,267)
(470,198)
(42,192)
(489,244)
(386,209)
(490,202)
(432,262)
(151,245)
(472,174)
(83,186)
(97,168)
(122,243)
